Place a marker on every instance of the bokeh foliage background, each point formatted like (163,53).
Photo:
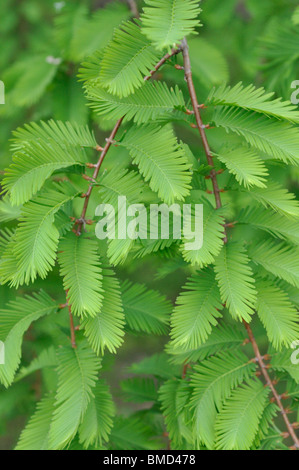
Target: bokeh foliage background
(43,44)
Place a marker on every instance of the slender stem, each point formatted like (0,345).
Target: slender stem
(213,176)
(199,122)
(162,62)
(185,369)
(270,384)
(72,327)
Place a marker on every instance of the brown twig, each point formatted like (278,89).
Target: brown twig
(133,8)
(162,62)
(269,382)
(72,326)
(199,123)
(95,175)
(185,370)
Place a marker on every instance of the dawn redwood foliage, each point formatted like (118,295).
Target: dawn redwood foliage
(217,385)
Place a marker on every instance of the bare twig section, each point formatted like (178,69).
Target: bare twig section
(133,8)
(185,370)
(199,123)
(72,327)
(270,384)
(162,62)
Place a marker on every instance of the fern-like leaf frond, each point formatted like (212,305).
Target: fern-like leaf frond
(8,211)
(98,419)
(105,330)
(276,139)
(161,161)
(34,163)
(15,319)
(167,22)
(174,396)
(255,99)
(128,58)
(35,436)
(77,375)
(82,274)
(276,224)
(47,358)
(278,315)
(223,337)
(279,259)
(277,197)
(196,311)
(36,237)
(282,362)
(146,104)
(58,131)
(146,310)
(236,282)
(213,234)
(238,421)
(245,165)
(212,382)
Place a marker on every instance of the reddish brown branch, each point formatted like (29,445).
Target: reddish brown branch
(72,327)
(162,62)
(185,370)
(199,123)
(269,382)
